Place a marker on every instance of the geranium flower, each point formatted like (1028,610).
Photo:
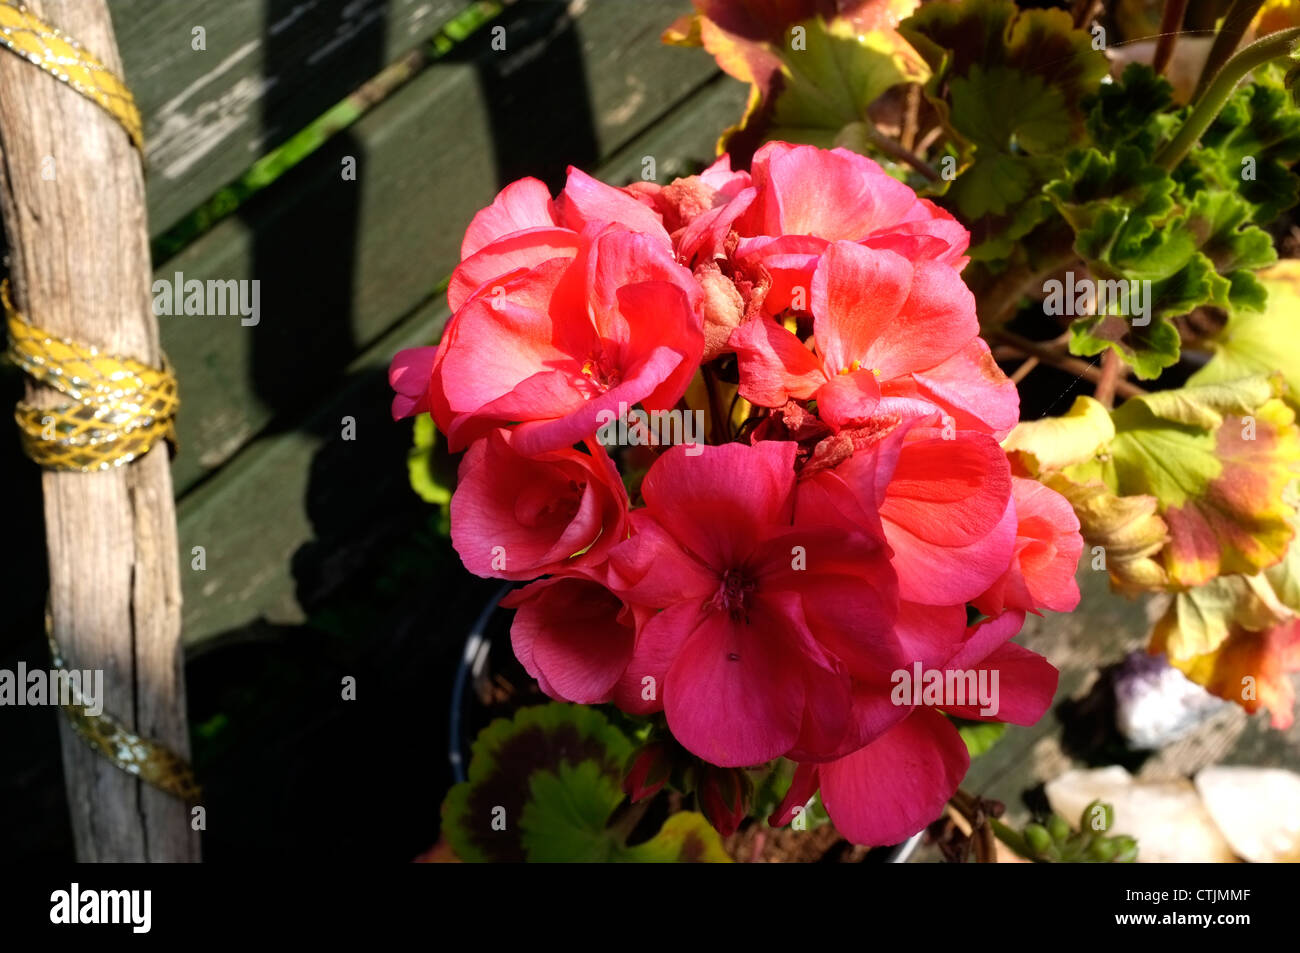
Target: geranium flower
(518,517)
(575,637)
(944,505)
(764,616)
(801,200)
(889,336)
(1048,544)
(552,347)
(889,789)
(524,227)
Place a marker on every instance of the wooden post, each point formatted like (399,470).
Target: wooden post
(72,196)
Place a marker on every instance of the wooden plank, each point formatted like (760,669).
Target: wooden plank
(269,518)
(268,67)
(339,261)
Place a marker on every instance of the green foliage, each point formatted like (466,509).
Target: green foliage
(1054,842)
(544,786)
(1193,232)
(980,736)
(431,469)
(1009,87)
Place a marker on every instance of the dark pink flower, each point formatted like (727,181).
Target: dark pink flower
(894,786)
(518,517)
(409,375)
(524,227)
(575,637)
(800,201)
(765,615)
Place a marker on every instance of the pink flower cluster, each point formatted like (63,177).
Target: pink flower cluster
(767,591)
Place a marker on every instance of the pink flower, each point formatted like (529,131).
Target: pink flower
(1048,544)
(765,615)
(898,783)
(945,508)
(518,517)
(889,336)
(409,375)
(801,200)
(524,227)
(553,346)
(576,638)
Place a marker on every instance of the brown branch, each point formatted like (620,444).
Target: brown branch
(1171,21)
(1065,362)
(1110,377)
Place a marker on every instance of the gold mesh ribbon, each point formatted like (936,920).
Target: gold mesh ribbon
(148,760)
(119,407)
(62,57)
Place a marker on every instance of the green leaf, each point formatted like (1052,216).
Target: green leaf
(1009,86)
(423,465)
(829,84)
(1250,146)
(506,755)
(565,817)
(543,786)
(1133,223)
(685,838)
(980,736)
(565,822)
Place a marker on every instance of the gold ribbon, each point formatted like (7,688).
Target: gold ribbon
(148,760)
(25,34)
(119,407)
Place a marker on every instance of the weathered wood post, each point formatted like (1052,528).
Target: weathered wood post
(73,201)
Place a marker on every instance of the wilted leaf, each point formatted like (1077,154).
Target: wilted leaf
(1261,342)
(1057,442)
(1217,458)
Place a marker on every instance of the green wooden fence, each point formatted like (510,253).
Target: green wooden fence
(352,270)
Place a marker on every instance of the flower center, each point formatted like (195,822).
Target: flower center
(857,366)
(598,375)
(734,594)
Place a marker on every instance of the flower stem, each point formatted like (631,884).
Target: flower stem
(1235,22)
(895,151)
(1065,362)
(1209,105)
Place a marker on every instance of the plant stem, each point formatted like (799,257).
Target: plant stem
(719,425)
(981,833)
(894,150)
(1225,81)
(1066,363)
(1171,21)
(1235,22)
(1105,393)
